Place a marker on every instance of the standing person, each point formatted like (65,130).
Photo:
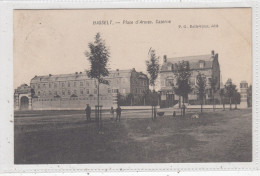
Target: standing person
(88,112)
(112,112)
(118,113)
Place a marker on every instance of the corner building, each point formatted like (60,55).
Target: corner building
(204,64)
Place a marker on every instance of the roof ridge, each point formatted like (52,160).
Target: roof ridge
(189,56)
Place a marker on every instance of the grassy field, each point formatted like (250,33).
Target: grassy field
(66,138)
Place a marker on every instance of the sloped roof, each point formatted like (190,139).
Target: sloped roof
(120,73)
(194,62)
(79,76)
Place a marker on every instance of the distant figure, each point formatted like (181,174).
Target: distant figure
(183,110)
(118,113)
(174,114)
(112,112)
(88,112)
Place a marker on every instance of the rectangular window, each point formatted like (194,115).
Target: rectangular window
(75,84)
(81,84)
(63,92)
(62,84)
(49,85)
(209,80)
(202,64)
(108,90)
(75,92)
(55,85)
(68,92)
(50,93)
(68,84)
(81,92)
(95,91)
(87,83)
(114,90)
(87,91)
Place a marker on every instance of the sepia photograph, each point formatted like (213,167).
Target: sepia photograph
(100,86)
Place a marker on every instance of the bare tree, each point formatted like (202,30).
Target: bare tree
(98,58)
(153,67)
(201,88)
(182,75)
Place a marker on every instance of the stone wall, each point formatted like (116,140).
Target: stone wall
(70,103)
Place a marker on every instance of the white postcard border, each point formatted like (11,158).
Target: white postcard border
(6,89)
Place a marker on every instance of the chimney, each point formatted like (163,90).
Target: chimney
(212,53)
(165,58)
(117,69)
(50,74)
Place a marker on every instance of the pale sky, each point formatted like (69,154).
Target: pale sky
(54,41)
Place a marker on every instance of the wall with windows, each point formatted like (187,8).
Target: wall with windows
(74,91)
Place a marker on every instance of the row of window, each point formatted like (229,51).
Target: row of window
(72,98)
(63,92)
(75,92)
(63,84)
(193,80)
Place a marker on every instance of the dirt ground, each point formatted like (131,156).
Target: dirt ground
(67,138)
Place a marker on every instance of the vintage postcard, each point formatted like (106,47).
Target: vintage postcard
(132,89)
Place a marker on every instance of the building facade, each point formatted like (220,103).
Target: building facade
(244,94)
(74,91)
(207,65)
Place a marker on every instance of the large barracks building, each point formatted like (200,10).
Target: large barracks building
(74,91)
(205,64)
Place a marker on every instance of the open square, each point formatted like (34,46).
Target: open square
(65,137)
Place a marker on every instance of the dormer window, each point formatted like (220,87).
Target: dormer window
(202,64)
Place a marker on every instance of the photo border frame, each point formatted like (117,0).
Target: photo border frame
(6,90)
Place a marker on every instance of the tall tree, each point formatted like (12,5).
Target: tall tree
(222,96)
(182,75)
(236,98)
(152,67)
(213,88)
(230,90)
(98,57)
(201,87)
(130,97)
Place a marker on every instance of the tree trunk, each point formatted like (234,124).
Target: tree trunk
(179,101)
(201,107)
(98,113)
(230,103)
(213,101)
(183,107)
